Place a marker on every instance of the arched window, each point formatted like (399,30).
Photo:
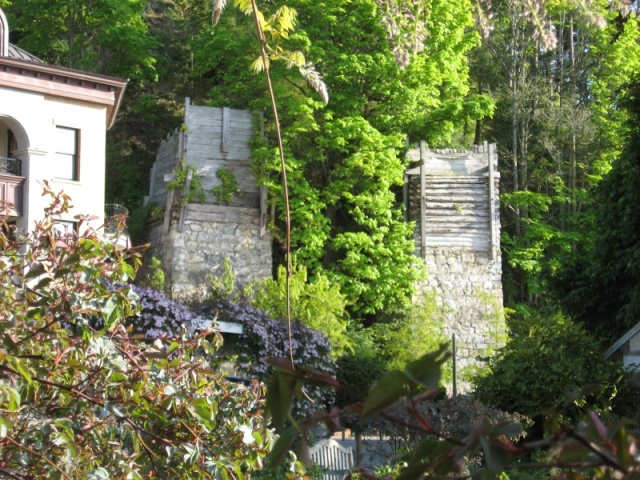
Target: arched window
(4,35)
(12,144)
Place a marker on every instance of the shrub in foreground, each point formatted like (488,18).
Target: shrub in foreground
(78,402)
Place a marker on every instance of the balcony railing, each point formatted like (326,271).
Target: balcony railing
(11,166)
(114,218)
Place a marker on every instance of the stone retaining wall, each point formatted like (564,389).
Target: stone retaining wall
(201,248)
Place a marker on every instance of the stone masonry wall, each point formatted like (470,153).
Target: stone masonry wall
(200,250)
(468,288)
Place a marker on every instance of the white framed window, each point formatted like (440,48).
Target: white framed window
(65,228)
(67,153)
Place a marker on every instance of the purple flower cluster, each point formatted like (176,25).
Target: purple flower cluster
(159,315)
(264,338)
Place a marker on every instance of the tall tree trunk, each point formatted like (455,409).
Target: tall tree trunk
(513,83)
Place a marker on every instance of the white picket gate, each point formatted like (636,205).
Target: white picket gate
(333,456)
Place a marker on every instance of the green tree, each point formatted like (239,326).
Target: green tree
(558,125)
(544,360)
(316,303)
(103,36)
(344,159)
(601,287)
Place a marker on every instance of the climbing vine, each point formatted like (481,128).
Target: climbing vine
(192,193)
(228,188)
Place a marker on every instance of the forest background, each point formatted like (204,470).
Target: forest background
(564,119)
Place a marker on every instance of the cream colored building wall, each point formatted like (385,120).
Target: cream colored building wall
(39,115)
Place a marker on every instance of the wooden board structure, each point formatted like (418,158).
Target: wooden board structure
(452,197)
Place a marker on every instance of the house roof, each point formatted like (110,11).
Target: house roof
(23,71)
(20,54)
(622,340)
(63,82)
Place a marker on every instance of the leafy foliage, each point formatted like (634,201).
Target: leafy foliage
(593,449)
(188,183)
(152,275)
(344,159)
(264,338)
(543,361)
(76,402)
(414,332)
(558,125)
(356,374)
(228,188)
(109,37)
(317,304)
(600,287)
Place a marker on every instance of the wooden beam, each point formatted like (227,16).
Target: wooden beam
(263,211)
(423,200)
(490,154)
(225,129)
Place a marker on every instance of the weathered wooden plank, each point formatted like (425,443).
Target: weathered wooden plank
(490,149)
(458,239)
(455,198)
(456,179)
(463,223)
(209,137)
(451,205)
(475,246)
(225,130)
(423,200)
(222,214)
(471,229)
(456,209)
(481,223)
(263,210)
(444,193)
(456,185)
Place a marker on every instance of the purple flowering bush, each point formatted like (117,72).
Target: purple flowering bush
(159,316)
(264,338)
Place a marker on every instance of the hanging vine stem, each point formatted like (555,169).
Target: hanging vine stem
(263,52)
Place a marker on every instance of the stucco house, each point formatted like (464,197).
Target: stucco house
(53,124)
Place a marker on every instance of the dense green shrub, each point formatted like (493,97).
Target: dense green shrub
(316,302)
(416,330)
(151,274)
(543,361)
(356,374)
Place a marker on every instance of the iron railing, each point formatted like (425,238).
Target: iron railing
(115,218)
(12,166)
